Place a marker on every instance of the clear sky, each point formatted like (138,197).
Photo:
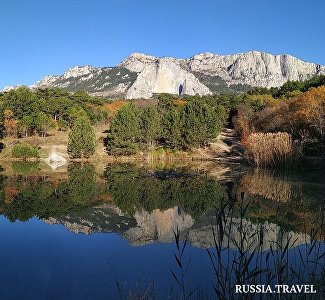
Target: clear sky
(42,37)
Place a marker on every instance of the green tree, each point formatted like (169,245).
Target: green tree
(62,125)
(75,112)
(201,123)
(26,124)
(59,107)
(82,139)
(125,132)
(25,151)
(172,128)
(150,125)
(43,123)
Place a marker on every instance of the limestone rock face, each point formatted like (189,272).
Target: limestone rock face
(137,61)
(142,76)
(45,82)
(164,75)
(254,68)
(80,71)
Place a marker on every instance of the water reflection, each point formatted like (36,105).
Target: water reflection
(259,211)
(24,197)
(146,205)
(294,201)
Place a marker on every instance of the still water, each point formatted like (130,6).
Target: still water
(88,234)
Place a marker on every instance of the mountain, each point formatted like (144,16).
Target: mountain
(141,76)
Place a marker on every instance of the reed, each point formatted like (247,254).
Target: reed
(182,267)
(249,263)
(271,149)
(284,263)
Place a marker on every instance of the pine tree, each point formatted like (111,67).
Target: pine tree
(150,125)
(201,123)
(82,139)
(125,132)
(172,129)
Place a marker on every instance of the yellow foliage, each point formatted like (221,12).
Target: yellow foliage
(266,100)
(180,102)
(114,107)
(309,108)
(10,123)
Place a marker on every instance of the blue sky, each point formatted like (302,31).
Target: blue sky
(42,37)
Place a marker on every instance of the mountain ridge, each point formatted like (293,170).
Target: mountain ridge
(141,75)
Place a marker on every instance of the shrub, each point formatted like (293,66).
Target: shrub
(62,125)
(25,151)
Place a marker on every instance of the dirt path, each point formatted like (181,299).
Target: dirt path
(227,147)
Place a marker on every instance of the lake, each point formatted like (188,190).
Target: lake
(88,232)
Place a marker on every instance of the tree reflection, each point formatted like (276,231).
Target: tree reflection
(134,188)
(24,197)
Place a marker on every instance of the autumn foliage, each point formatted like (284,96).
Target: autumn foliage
(301,116)
(114,107)
(10,123)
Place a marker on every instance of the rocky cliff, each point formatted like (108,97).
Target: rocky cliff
(141,76)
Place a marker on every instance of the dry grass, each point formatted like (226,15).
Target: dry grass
(269,149)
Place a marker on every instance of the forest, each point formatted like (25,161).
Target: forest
(274,124)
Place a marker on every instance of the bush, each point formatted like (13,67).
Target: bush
(25,151)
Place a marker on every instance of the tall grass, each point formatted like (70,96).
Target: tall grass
(271,149)
(241,259)
(182,266)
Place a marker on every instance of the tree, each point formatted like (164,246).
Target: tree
(62,125)
(75,112)
(150,125)
(172,128)
(201,123)
(82,139)
(26,124)
(125,132)
(60,107)
(24,151)
(43,123)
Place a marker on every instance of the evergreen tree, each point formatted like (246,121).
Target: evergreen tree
(150,125)
(172,128)
(26,124)
(201,123)
(125,131)
(82,139)
(43,123)
(75,112)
